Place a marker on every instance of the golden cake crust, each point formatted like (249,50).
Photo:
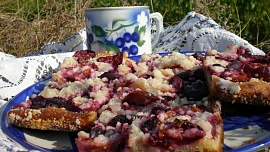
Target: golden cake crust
(256,92)
(57,119)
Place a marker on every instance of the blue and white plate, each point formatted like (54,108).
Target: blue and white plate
(246,128)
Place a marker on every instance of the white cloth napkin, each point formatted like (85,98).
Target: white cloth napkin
(194,33)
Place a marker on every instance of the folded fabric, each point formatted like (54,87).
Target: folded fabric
(194,33)
(199,33)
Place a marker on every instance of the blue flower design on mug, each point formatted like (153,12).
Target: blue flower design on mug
(115,39)
(119,29)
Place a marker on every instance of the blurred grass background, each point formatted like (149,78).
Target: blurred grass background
(26,25)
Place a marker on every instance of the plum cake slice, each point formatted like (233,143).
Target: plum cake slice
(236,75)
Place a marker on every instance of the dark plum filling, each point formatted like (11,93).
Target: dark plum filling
(242,72)
(260,72)
(199,56)
(185,75)
(41,102)
(84,55)
(121,119)
(97,130)
(149,124)
(191,85)
(186,132)
(158,109)
(140,98)
(113,60)
(109,75)
(246,66)
(176,83)
(199,74)
(196,94)
(70,79)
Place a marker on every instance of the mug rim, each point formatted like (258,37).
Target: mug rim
(116,8)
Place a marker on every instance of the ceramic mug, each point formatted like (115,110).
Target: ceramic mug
(122,29)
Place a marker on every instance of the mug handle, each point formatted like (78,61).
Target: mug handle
(157,17)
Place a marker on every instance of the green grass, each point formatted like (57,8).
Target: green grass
(26,25)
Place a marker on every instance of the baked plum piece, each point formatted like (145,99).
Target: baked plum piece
(186,128)
(55,114)
(153,125)
(236,75)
